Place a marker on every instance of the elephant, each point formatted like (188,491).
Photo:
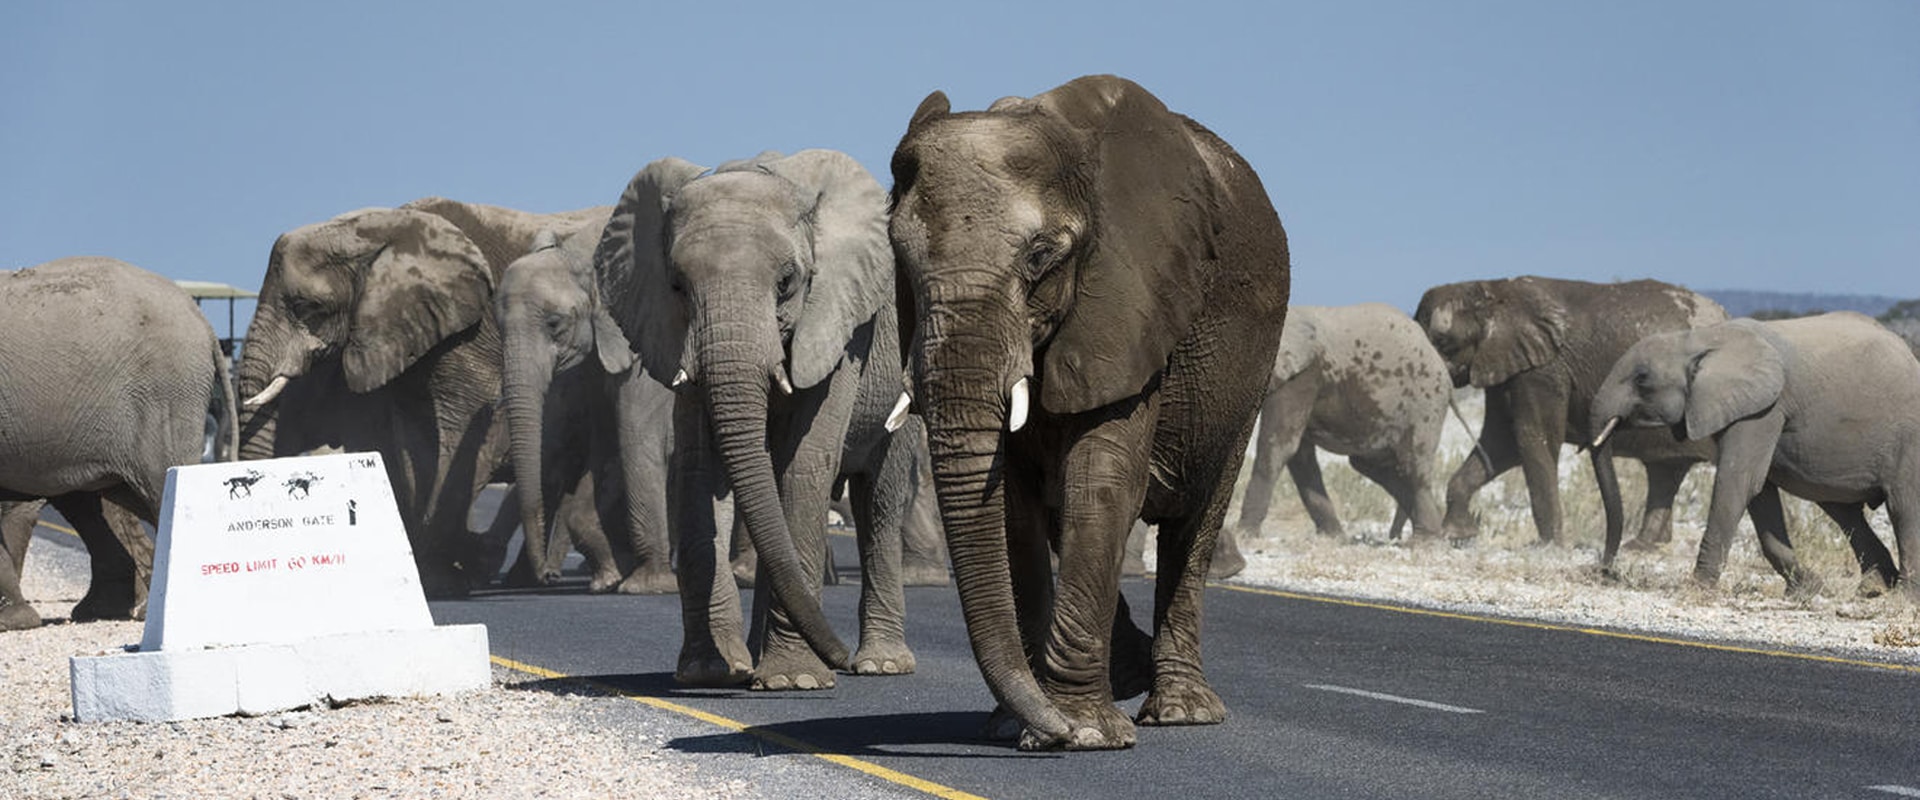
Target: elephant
(761,292)
(106,375)
(1361,381)
(1094,287)
(567,386)
(923,549)
(1540,347)
(374,331)
(1825,407)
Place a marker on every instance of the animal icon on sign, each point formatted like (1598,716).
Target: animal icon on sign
(242,485)
(300,483)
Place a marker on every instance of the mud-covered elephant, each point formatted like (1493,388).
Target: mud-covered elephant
(762,291)
(1826,408)
(106,375)
(1360,381)
(581,421)
(1095,287)
(1540,347)
(375,331)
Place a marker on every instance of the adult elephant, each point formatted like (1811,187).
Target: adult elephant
(762,291)
(581,422)
(374,332)
(106,374)
(1120,264)
(1826,408)
(1540,347)
(1360,381)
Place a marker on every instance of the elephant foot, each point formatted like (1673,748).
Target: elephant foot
(789,668)
(1460,531)
(650,581)
(1093,724)
(1177,701)
(702,665)
(523,576)
(604,580)
(1226,564)
(1803,584)
(113,603)
(18,616)
(1873,583)
(925,574)
(1642,544)
(886,657)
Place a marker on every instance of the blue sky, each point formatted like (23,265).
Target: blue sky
(1752,144)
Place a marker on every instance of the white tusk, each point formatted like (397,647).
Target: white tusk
(1017,406)
(1606,432)
(268,394)
(780,380)
(679,379)
(898,416)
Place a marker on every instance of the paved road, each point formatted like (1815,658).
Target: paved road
(1325,698)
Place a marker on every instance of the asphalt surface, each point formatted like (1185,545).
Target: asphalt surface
(1325,699)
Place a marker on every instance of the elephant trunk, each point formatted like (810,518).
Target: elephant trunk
(739,372)
(528,379)
(1610,408)
(259,361)
(968,412)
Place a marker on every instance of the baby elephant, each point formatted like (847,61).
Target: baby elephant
(1361,381)
(1826,407)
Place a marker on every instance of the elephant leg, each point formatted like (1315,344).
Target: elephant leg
(1283,418)
(1656,524)
(713,648)
(1903,510)
(1539,427)
(1134,564)
(647,426)
(115,545)
(1877,570)
(923,545)
(1496,452)
(1104,481)
(16,531)
(806,464)
(879,509)
(741,558)
(1030,528)
(1304,466)
(1394,478)
(581,511)
(1180,693)
(1746,451)
(1770,523)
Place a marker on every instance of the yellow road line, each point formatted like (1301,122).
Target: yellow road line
(778,739)
(57,527)
(1549,626)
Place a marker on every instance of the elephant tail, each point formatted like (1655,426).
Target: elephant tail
(1485,460)
(229,419)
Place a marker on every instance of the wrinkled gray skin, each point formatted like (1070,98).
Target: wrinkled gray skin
(923,546)
(16,532)
(1826,408)
(1048,269)
(106,374)
(763,291)
(575,412)
(1540,348)
(1360,381)
(380,321)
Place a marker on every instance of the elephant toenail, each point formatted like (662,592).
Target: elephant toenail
(806,682)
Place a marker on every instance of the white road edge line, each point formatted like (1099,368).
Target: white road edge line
(1903,791)
(1394,698)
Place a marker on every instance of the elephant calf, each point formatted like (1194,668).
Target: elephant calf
(1826,407)
(1360,381)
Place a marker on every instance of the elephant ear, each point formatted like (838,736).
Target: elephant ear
(1525,327)
(1143,278)
(1734,373)
(1300,345)
(852,257)
(427,283)
(634,281)
(612,347)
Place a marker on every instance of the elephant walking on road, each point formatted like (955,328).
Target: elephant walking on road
(1826,408)
(1540,347)
(106,375)
(1360,381)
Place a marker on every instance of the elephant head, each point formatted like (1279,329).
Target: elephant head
(1490,331)
(1050,247)
(1696,382)
(748,280)
(551,323)
(375,288)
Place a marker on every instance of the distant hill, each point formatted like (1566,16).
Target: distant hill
(1745,302)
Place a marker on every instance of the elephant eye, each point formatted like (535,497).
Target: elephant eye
(304,308)
(1043,251)
(789,281)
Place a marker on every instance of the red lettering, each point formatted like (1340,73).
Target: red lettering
(223,568)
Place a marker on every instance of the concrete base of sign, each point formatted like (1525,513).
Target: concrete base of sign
(165,685)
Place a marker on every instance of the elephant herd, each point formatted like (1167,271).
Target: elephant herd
(1063,318)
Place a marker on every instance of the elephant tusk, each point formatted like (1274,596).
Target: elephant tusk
(898,416)
(780,380)
(1606,432)
(268,394)
(679,380)
(1017,406)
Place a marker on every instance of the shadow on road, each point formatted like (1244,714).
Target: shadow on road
(867,737)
